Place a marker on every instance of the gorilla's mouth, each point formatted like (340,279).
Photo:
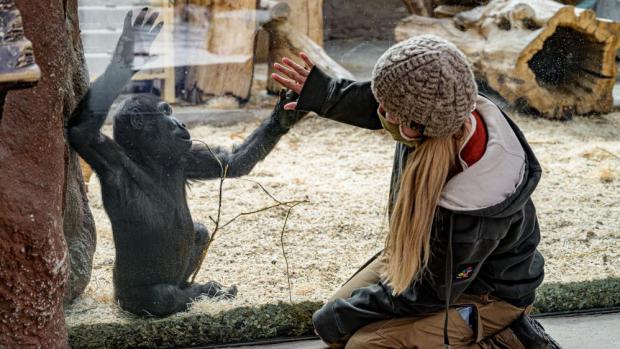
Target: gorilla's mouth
(184,135)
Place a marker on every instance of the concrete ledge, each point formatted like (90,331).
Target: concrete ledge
(289,320)
(196,116)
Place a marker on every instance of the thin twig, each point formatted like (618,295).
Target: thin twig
(608,152)
(287,204)
(223,172)
(262,187)
(288,275)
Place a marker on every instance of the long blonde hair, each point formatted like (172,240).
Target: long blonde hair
(407,248)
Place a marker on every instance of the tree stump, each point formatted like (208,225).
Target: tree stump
(543,57)
(308,18)
(286,41)
(230,36)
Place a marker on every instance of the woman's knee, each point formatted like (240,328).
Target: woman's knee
(370,337)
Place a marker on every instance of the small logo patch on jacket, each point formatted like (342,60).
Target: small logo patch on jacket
(465,272)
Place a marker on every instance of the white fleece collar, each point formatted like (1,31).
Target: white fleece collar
(494,177)
(474,125)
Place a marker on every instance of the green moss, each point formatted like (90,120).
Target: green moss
(236,325)
(553,297)
(289,320)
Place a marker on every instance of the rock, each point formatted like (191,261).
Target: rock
(33,252)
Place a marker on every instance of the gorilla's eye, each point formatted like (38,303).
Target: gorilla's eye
(164,108)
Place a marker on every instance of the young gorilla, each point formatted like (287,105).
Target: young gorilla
(143,174)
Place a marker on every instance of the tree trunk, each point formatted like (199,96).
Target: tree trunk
(546,58)
(34,163)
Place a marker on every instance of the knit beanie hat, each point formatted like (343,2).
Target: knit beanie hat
(427,80)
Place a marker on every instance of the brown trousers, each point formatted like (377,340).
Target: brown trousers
(491,316)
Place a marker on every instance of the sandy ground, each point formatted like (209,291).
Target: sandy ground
(344,172)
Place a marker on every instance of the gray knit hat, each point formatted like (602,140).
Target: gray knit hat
(427,80)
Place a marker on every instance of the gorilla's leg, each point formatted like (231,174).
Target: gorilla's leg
(212,288)
(200,242)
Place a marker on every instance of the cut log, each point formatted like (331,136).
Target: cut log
(543,57)
(230,36)
(286,41)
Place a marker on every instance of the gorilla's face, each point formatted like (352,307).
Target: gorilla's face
(145,127)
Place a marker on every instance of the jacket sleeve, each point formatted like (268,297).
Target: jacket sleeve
(341,100)
(338,320)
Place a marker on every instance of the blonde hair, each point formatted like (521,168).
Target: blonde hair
(407,248)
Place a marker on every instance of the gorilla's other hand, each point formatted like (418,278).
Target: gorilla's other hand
(287,118)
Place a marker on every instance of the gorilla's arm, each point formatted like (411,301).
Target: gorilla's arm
(84,128)
(242,159)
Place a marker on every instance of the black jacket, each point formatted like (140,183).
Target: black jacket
(497,244)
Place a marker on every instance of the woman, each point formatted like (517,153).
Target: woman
(460,265)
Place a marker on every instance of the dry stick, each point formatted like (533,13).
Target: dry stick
(289,204)
(288,275)
(224,171)
(609,152)
(262,187)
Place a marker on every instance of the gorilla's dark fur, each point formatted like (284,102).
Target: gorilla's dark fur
(143,174)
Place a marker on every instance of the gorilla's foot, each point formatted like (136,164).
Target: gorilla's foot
(214,289)
(157,300)
(163,299)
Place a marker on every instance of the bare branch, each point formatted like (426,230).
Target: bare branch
(288,275)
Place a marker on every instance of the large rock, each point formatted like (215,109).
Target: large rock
(36,167)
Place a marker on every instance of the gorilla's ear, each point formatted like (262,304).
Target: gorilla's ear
(164,108)
(136,119)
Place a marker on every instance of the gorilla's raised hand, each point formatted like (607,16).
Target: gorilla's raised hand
(137,38)
(287,118)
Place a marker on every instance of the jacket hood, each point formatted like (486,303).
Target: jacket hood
(502,181)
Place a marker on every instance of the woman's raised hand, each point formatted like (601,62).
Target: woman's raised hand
(294,75)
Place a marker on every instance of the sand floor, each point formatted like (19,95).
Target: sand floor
(344,173)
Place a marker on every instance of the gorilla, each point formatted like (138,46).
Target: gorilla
(144,173)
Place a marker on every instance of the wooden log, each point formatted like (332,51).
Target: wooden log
(230,36)
(286,41)
(544,57)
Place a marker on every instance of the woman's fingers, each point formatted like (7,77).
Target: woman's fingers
(296,67)
(290,106)
(288,83)
(290,73)
(307,60)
